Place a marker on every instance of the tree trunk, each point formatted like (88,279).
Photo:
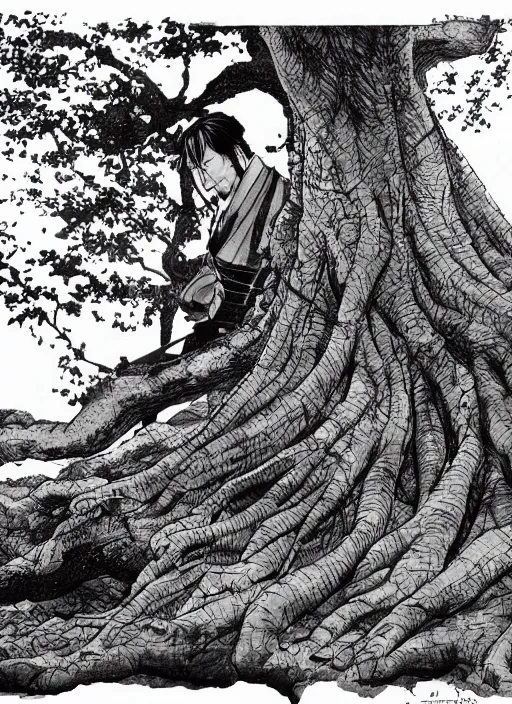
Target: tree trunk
(344,512)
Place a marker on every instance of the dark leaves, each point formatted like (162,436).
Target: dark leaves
(95,137)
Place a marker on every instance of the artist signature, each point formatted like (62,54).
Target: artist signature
(435,699)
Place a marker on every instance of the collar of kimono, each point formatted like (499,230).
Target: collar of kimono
(246,191)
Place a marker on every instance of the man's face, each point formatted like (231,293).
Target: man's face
(216,172)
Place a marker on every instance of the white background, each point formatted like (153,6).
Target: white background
(27,371)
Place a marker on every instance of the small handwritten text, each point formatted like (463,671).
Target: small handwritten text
(434,699)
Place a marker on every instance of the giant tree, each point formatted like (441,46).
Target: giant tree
(343,511)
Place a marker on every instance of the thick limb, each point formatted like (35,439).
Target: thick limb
(122,401)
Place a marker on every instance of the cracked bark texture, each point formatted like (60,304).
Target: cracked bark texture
(343,513)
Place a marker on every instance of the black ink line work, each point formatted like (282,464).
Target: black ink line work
(334,502)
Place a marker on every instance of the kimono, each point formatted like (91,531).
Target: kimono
(223,291)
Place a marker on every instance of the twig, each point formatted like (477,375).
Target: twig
(186,78)
(63,336)
(140,260)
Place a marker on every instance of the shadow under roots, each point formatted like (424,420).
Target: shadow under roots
(113,553)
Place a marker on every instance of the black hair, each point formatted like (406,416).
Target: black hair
(220,132)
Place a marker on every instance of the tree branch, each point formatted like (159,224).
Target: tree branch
(120,402)
(240,77)
(154,96)
(454,39)
(62,335)
(140,260)
(259,73)
(186,77)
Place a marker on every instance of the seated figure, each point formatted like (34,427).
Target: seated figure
(249,198)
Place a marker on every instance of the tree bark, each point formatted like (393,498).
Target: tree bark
(343,512)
